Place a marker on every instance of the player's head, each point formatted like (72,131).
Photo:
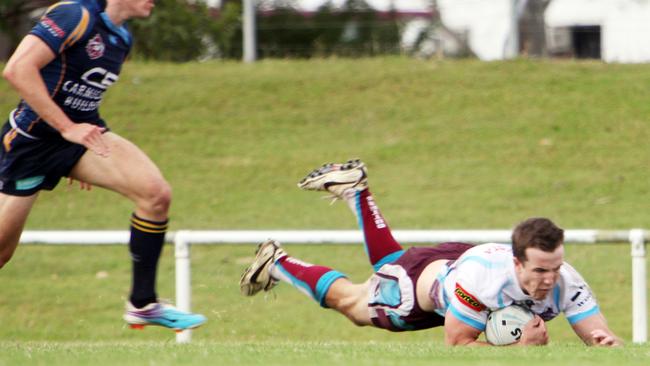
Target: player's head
(538,255)
(131,8)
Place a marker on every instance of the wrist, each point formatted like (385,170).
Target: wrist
(64,127)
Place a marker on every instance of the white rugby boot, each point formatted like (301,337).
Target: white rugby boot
(337,178)
(257,276)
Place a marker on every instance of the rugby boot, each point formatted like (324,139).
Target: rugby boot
(337,178)
(161,314)
(257,276)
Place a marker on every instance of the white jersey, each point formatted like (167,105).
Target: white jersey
(483,279)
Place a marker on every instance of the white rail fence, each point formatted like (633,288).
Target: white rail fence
(184,238)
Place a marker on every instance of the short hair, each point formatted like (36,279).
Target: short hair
(536,232)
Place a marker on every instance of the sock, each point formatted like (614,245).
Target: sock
(312,280)
(380,245)
(145,245)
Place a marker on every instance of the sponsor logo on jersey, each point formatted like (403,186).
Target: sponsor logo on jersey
(95,47)
(99,78)
(468,299)
(52,27)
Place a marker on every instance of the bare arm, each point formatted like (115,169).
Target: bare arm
(23,73)
(593,330)
(458,333)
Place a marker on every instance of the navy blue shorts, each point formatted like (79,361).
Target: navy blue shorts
(29,165)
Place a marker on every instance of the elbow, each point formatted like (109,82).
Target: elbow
(458,340)
(9,74)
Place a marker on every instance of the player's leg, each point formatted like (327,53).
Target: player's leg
(13,214)
(380,244)
(350,300)
(327,287)
(349,182)
(130,172)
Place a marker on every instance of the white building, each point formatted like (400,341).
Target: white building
(623,26)
(614,30)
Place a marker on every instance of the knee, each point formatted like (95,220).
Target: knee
(356,321)
(157,198)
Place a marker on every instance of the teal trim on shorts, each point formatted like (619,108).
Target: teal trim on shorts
(29,183)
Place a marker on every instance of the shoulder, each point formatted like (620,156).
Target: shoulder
(483,271)
(70,14)
(487,256)
(570,275)
(64,24)
(67,9)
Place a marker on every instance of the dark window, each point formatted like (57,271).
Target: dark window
(586,41)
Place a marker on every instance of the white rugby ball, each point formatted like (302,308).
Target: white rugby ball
(505,326)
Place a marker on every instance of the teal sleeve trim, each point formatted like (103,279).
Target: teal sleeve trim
(465,319)
(578,317)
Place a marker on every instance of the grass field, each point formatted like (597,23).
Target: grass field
(463,145)
(311,353)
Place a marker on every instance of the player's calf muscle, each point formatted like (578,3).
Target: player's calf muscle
(349,300)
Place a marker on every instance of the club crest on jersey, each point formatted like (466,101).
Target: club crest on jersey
(468,299)
(95,47)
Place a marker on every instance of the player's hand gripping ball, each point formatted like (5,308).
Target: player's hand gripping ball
(505,326)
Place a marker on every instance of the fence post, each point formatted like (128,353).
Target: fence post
(183,286)
(639,287)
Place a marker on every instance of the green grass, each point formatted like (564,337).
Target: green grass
(56,309)
(461,144)
(308,353)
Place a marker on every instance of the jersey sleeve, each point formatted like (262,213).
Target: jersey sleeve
(63,24)
(465,303)
(577,300)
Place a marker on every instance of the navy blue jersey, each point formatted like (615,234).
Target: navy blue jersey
(90,51)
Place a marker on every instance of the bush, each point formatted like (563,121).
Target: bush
(178,31)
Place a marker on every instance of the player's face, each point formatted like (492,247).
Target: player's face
(138,8)
(540,272)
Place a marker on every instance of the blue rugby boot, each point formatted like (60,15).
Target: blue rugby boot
(161,314)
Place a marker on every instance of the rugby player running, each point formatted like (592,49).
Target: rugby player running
(61,70)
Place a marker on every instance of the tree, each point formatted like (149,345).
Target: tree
(175,31)
(14,18)
(532,28)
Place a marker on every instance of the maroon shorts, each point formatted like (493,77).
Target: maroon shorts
(392,303)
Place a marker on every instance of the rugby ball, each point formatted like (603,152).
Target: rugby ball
(505,326)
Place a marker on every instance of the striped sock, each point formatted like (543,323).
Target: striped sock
(312,280)
(380,244)
(145,245)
